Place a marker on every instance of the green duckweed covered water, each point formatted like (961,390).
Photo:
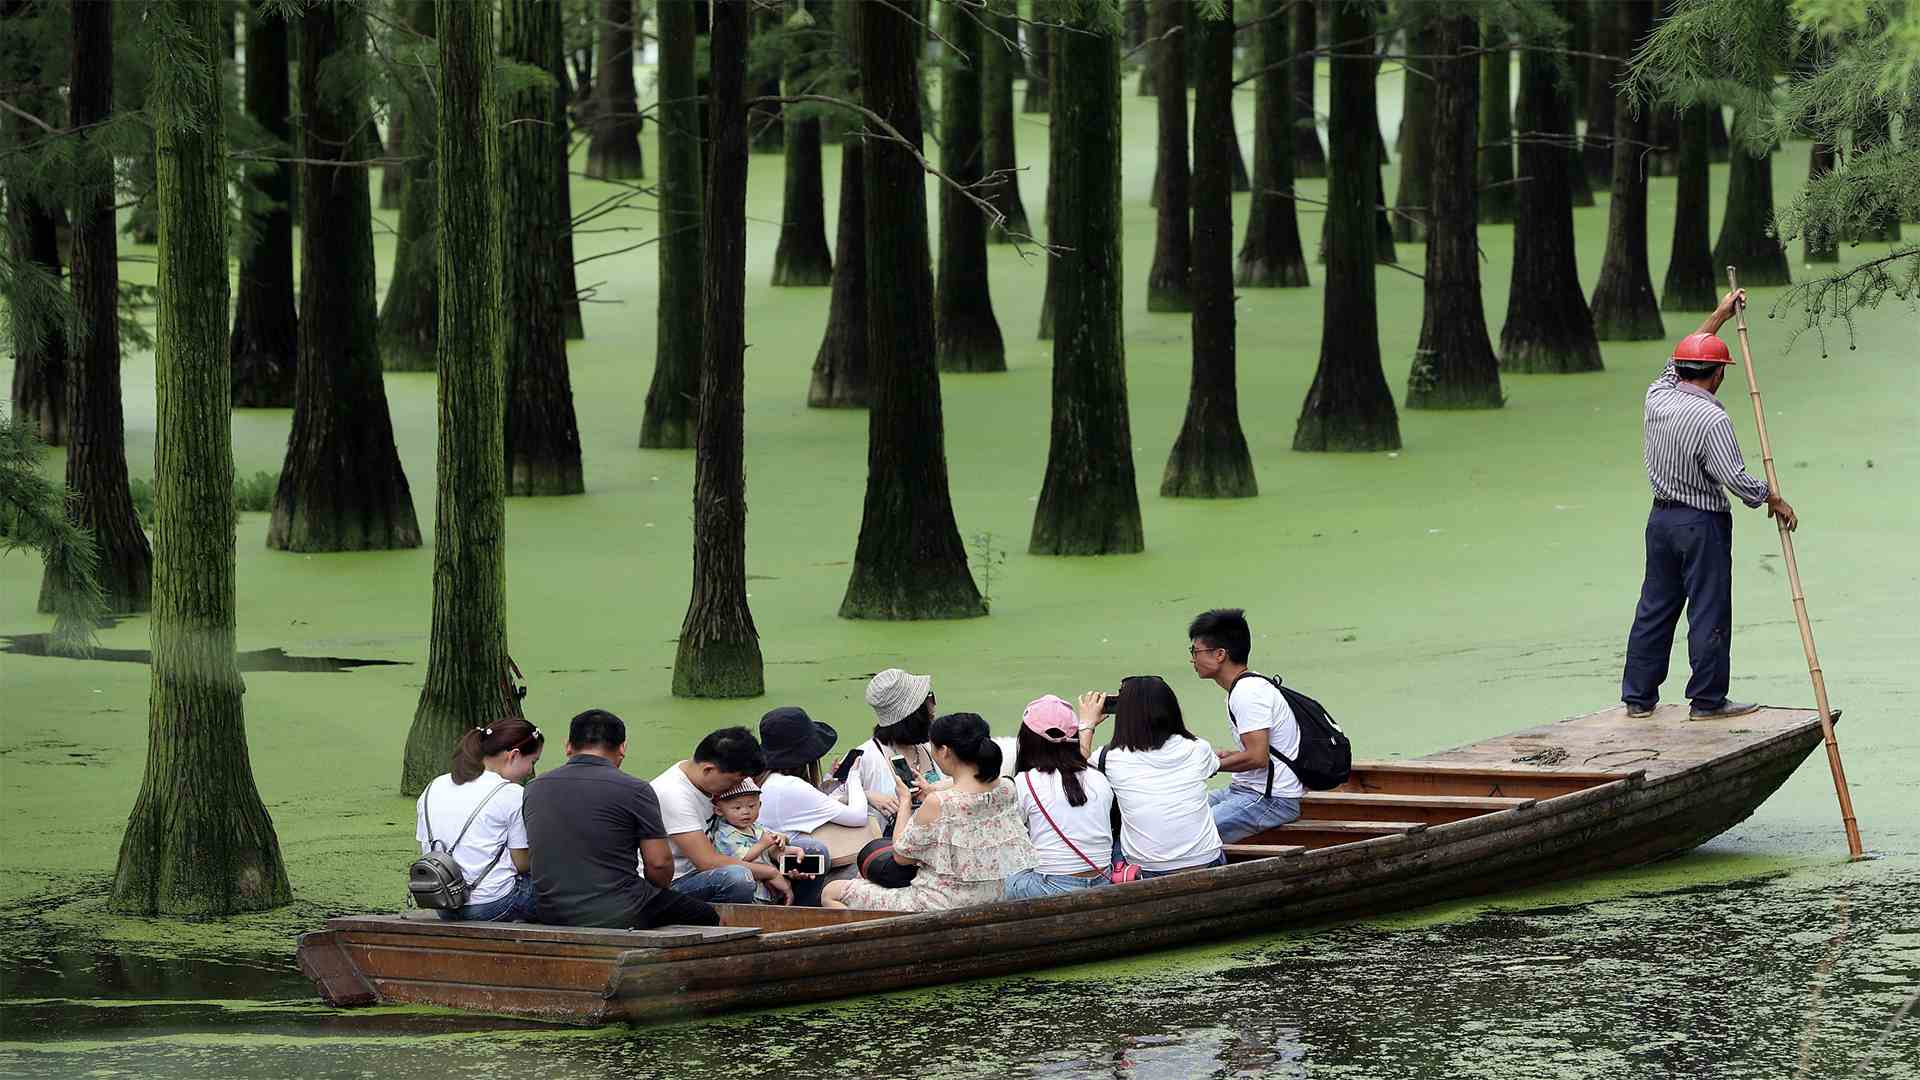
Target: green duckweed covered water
(1479,581)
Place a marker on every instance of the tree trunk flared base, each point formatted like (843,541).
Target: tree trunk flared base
(875,595)
(1347,432)
(1088,526)
(616,159)
(1309,157)
(39,398)
(1634,317)
(1167,296)
(1270,273)
(1426,389)
(718,669)
(666,432)
(356,516)
(802,269)
(1546,358)
(123,567)
(964,348)
(550,474)
(1209,469)
(1688,293)
(263,378)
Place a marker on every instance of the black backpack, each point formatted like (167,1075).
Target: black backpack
(1326,755)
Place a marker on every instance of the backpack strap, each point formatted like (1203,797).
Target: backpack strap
(1057,831)
(1232,724)
(484,800)
(1101,761)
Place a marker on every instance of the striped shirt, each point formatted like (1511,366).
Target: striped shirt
(1691,453)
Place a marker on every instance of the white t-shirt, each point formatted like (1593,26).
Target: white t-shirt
(875,769)
(499,822)
(789,804)
(1257,705)
(1165,822)
(1090,826)
(683,809)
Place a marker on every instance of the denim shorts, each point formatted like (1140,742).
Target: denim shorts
(1028,884)
(514,905)
(1238,813)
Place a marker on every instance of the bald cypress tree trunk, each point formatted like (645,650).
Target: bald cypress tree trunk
(1549,328)
(1039,58)
(1498,192)
(719,652)
(199,840)
(393,174)
(1089,502)
(39,343)
(840,379)
(802,256)
(98,499)
(1210,458)
(1309,157)
(966,334)
(1349,406)
(467,650)
(996,89)
(1169,278)
(542,436)
(1744,240)
(1818,245)
(909,562)
(266,338)
(669,417)
(1411,203)
(342,487)
(1237,177)
(613,152)
(410,314)
(1054,135)
(1624,308)
(1691,284)
(1270,256)
(766,132)
(1453,366)
(1596,149)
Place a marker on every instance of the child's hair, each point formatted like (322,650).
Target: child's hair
(1065,758)
(478,744)
(968,738)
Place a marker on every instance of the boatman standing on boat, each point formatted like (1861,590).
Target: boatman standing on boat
(1691,456)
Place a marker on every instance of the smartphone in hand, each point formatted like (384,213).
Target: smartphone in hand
(795,861)
(847,763)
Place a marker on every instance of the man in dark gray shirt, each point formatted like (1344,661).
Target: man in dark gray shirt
(585,822)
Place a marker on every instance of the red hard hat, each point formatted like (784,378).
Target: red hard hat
(1701,349)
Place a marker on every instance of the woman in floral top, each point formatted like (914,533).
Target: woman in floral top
(968,837)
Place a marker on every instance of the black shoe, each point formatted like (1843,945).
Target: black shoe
(1638,712)
(1727,710)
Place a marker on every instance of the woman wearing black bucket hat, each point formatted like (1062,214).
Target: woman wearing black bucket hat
(791,801)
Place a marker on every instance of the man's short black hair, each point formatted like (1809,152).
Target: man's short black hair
(732,750)
(1223,628)
(597,729)
(1695,372)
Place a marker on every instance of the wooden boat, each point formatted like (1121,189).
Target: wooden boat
(1585,794)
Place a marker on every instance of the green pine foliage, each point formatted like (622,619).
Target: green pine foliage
(1824,71)
(33,517)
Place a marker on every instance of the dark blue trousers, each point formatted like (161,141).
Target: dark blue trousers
(1690,565)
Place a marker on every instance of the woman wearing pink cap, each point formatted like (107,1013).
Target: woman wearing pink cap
(1068,804)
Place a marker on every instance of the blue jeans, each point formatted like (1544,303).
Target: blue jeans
(515,905)
(1028,884)
(1690,564)
(1220,860)
(1239,813)
(726,885)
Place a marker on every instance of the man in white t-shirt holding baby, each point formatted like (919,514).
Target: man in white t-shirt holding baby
(1264,793)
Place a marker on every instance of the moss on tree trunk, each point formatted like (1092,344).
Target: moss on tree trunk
(409,316)
(909,562)
(1745,241)
(966,334)
(1170,276)
(996,88)
(613,150)
(1692,284)
(1623,306)
(266,338)
(668,421)
(1309,156)
(1498,192)
(98,499)
(342,487)
(719,651)
(1089,501)
(467,649)
(1549,328)
(199,840)
(542,436)
(1453,366)
(1271,256)
(1412,202)
(1210,458)
(1349,406)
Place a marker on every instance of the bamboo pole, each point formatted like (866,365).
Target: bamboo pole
(1793,582)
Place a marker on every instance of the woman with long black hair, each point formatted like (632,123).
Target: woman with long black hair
(1159,772)
(1068,804)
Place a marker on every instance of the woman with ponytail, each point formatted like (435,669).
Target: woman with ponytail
(473,813)
(968,837)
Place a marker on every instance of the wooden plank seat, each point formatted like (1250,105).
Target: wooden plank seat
(1316,833)
(1474,779)
(1382,806)
(1248,852)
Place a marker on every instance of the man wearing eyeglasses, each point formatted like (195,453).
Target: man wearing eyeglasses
(1264,794)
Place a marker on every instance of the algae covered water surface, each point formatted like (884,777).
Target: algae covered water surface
(1478,581)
